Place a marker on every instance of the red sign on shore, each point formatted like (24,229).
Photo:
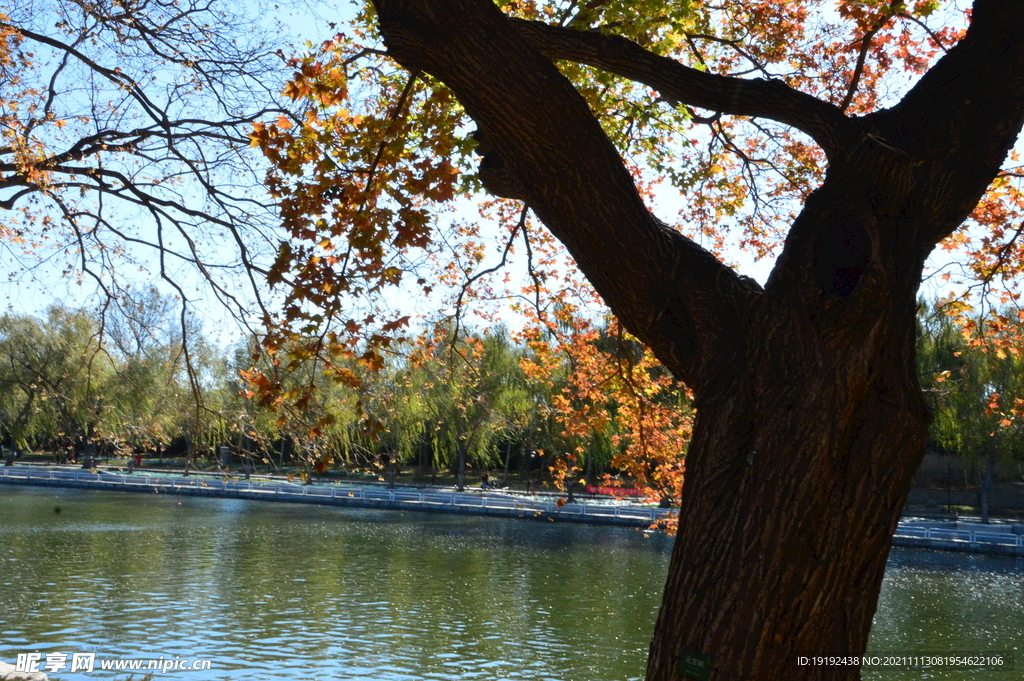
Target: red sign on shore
(623,491)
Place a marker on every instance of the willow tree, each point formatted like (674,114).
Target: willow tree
(53,375)
(880,126)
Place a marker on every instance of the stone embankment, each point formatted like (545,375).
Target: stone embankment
(435,501)
(996,538)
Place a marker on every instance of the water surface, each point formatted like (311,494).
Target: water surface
(279,591)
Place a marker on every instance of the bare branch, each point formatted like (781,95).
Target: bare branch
(931,34)
(858,71)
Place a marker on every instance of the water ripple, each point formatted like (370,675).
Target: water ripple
(277,592)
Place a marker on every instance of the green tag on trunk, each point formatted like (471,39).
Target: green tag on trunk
(697,666)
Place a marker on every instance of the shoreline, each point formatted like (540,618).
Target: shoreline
(332,494)
(950,535)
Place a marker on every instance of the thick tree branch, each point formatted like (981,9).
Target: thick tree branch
(960,120)
(758,98)
(668,291)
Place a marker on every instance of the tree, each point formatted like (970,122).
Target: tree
(810,418)
(471,385)
(148,399)
(53,373)
(609,394)
(124,155)
(975,387)
(124,144)
(63,387)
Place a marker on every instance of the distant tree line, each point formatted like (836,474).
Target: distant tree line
(476,399)
(448,401)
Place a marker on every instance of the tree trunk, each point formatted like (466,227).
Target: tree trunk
(508,458)
(986,481)
(806,441)
(782,548)
(460,476)
(188,454)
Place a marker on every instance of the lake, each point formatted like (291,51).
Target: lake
(279,591)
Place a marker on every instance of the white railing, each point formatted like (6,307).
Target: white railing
(952,534)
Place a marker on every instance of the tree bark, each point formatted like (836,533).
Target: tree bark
(460,473)
(508,458)
(810,421)
(985,480)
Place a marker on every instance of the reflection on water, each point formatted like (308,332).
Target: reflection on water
(288,591)
(272,591)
